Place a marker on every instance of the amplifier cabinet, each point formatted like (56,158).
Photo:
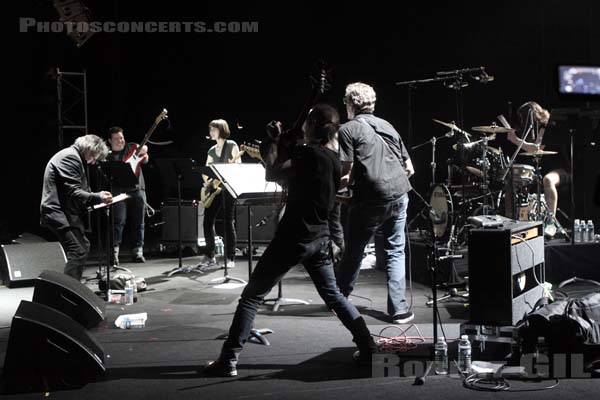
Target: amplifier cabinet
(506,269)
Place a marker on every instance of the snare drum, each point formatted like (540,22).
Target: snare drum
(523,174)
(442,207)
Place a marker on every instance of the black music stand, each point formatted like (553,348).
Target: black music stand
(119,174)
(248,186)
(186,171)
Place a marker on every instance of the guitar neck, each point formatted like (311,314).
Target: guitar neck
(146,138)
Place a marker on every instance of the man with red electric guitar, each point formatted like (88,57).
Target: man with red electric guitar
(132,210)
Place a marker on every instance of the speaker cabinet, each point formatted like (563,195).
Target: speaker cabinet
(506,266)
(21,264)
(47,350)
(264,220)
(69,296)
(192,220)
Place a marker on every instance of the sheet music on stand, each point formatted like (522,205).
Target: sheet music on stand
(246,182)
(116,199)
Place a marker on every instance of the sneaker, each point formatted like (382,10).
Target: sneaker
(208,263)
(362,359)
(139,259)
(230,264)
(217,368)
(403,318)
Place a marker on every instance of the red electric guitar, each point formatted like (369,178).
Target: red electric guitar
(133,158)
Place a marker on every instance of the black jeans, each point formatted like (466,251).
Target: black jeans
(76,247)
(276,261)
(210,216)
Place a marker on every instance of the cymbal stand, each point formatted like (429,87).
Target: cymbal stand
(485,166)
(433,141)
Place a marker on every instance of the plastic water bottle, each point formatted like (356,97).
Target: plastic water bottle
(441,357)
(590,231)
(577,231)
(219,248)
(464,354)
(128,294)
(584,231)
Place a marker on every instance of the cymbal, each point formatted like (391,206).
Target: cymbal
(452,126)
(539,153)
(492,129)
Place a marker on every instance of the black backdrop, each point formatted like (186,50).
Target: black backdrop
(252,78)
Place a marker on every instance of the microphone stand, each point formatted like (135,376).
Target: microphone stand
(433,261)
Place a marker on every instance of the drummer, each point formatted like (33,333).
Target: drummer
(557,175)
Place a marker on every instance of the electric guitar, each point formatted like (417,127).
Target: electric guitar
(133,158)
(213,188)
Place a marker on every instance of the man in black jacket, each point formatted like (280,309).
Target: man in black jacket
(66,196)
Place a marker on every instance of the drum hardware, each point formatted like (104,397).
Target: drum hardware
(433,141)
(492,129)
(452,126)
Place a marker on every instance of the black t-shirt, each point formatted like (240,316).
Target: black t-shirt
(378,154)
(119,156)
(314,181)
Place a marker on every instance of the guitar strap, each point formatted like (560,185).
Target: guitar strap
(224,152)
(395,151)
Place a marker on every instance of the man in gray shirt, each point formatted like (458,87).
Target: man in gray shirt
(376,166)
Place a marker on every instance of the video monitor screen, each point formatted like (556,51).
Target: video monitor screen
(579,80)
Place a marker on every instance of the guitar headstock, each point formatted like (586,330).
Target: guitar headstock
(252,150)
(162,116)
(321,80)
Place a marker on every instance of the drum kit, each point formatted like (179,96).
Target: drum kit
(482,181)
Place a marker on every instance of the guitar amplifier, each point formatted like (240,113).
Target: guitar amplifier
(192,220)
(506,269)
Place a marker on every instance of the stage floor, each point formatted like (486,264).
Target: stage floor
(310,353)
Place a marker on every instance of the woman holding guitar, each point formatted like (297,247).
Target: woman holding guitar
(223,151)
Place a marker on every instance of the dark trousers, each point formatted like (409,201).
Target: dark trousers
(76,247)
(131,210)
(276,261)
(210,216)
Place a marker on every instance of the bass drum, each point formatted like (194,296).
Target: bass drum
(443,210)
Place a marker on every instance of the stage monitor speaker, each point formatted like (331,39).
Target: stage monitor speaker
(506,267)
(192,220)
(264,221)
(47,350)
(69,296)
(21,264)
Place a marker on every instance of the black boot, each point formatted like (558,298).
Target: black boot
(364,341)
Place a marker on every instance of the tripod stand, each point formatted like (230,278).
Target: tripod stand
(181,268)
(454,284)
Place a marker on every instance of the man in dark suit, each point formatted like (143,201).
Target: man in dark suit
(66,196)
